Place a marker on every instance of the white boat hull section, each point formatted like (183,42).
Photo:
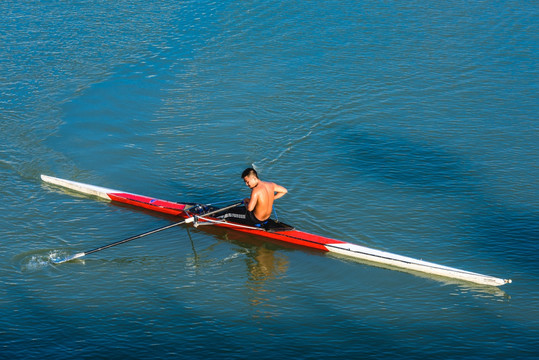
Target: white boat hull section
(80,187)
(399,261)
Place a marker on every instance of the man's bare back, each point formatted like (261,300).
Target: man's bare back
(263,194)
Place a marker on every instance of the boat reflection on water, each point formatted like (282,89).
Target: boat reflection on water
(264,263)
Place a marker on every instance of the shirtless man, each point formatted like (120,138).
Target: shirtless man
(259,206)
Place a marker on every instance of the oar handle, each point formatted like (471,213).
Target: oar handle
(188,220)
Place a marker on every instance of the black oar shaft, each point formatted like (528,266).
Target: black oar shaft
(190,219)
(133,238)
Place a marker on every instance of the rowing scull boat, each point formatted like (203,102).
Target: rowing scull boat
(276,231)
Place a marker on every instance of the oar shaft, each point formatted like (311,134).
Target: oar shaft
(188,220)
(133,238)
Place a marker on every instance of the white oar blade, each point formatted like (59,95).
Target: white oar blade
(69,258)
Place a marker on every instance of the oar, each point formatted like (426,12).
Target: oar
(186,221)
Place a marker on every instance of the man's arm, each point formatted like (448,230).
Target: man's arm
(279,191)
(250,203)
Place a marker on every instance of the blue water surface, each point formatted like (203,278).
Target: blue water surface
(408,127)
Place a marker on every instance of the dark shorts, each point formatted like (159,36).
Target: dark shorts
(241,215)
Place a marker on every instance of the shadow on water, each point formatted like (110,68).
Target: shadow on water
(424,168)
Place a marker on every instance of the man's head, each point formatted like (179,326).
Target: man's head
(250,177)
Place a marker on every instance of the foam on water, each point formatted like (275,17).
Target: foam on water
(38,261)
